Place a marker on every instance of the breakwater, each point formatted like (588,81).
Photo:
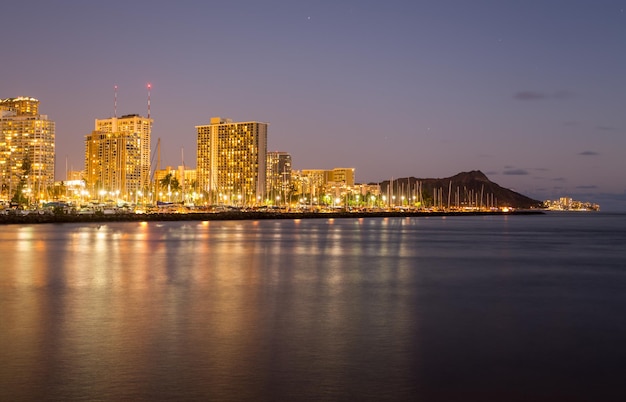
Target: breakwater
(35,218)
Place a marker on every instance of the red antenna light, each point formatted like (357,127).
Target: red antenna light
(149,86)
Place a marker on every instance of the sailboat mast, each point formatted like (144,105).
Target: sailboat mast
(159,153)
(182,178)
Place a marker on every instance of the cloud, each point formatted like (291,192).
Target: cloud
(515,172)
(559,179)
(592,187)
(588,153)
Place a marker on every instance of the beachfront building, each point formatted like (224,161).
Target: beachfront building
(278,176)
(311,183)
(117,158)
(231,166)
(320,186)
(27,141)
(343,176)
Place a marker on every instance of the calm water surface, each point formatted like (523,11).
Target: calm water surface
(513,308)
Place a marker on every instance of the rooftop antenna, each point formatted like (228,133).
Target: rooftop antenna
(115,102)
(149,86)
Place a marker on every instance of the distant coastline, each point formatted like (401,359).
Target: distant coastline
(240,215)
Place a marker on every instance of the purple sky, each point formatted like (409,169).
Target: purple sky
(532,93)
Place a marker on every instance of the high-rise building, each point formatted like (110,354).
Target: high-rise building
(117,157)
(278,176)
(27,141)
(231,164)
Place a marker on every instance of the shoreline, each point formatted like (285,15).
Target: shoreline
(238,215)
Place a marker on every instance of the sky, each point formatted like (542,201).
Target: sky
(532,93)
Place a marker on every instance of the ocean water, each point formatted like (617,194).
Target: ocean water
(493,308)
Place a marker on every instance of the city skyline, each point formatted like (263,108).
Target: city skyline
(530,94)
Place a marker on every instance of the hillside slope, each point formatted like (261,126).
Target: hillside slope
(463,189)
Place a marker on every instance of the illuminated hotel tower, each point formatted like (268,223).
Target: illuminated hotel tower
(117,157)
(26,138)
(232,161)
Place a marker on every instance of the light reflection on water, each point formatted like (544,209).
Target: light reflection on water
(363,309)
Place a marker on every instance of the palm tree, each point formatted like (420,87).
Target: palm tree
(19,196)
(169,183)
